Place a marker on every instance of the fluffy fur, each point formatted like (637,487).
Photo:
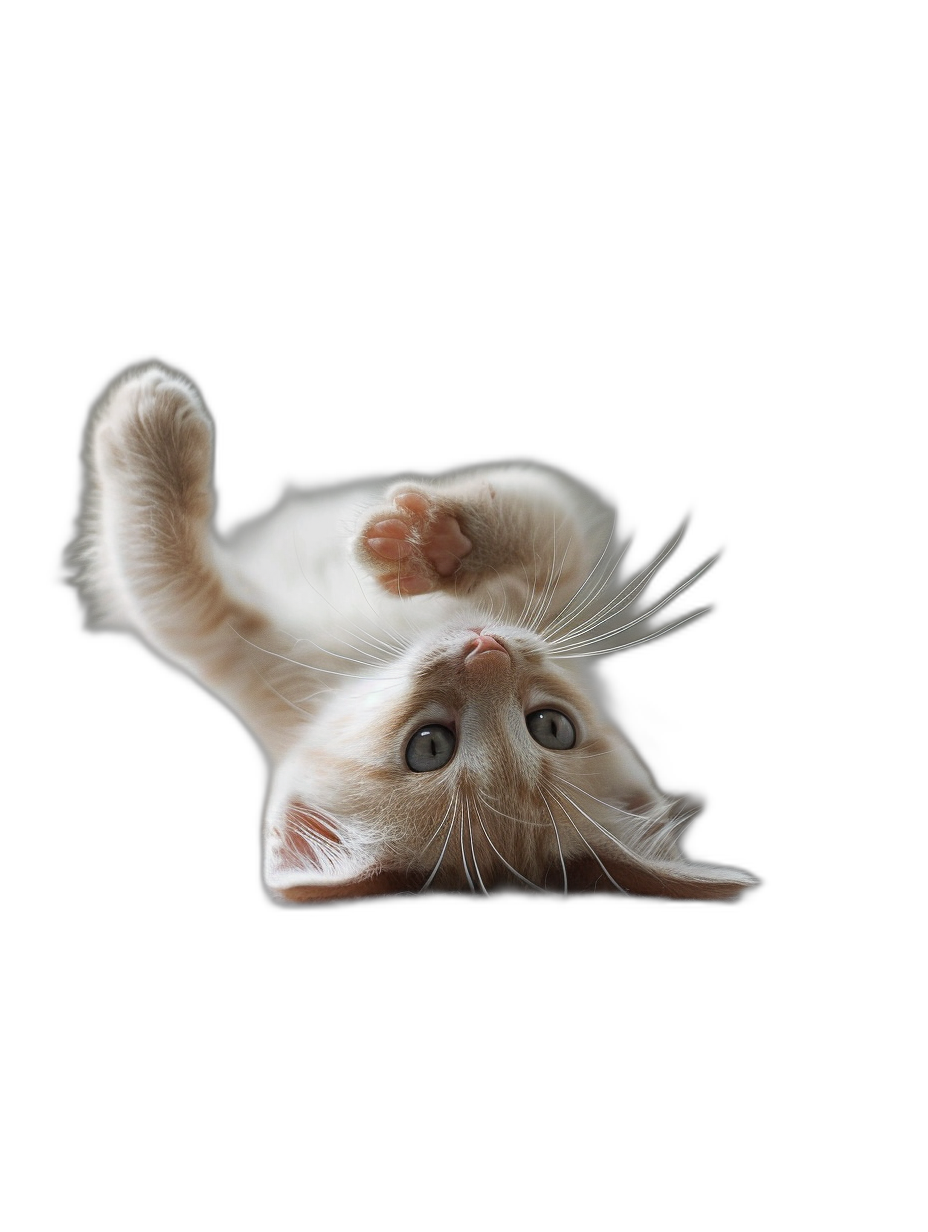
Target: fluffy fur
(348,619)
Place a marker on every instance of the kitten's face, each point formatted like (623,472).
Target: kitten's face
(477,759)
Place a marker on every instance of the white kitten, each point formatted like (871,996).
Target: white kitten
(419,675)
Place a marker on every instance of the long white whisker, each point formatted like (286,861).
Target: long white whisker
(391,650)
(470,830)
(656,607)
(309,667)
(632,588)
(370,661)
(512,870)
(602,829)
(635,588)
(441,855)
(550,581)
(557,837)
(254,667)
(565,616)
(615,807)
(591,850)
(470,880)
(639,641)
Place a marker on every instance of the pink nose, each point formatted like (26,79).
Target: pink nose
(486,641)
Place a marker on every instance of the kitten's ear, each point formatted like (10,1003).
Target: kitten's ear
(679,878)
(309,854)
(647,859)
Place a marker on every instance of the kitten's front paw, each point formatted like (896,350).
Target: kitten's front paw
(415,546)
(154,425)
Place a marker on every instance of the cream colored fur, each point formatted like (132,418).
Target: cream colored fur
(337,634)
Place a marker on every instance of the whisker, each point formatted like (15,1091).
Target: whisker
(632,588)
(503,859)
(615,807)
(470,880)
(557,837)
(565,615)
(608,833)
(371,661)
(591,850)
(254,667)
(309,667)
(628,594)
(447,818)
(530,598)
(639,641)
(556,573)
(299,560)
(473,852)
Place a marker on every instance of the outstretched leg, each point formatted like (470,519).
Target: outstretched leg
(145,557)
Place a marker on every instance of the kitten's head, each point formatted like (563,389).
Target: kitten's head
(477,758)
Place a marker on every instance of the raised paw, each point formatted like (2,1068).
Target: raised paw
(152,425)
(415,546)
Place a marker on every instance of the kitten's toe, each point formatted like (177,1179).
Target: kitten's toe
(390,539)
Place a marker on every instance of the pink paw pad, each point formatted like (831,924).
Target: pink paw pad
(421,542)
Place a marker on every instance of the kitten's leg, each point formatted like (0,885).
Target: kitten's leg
(150,560)
(509,532)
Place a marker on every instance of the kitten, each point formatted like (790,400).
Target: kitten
(414,658)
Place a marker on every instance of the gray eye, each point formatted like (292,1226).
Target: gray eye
(551,728)
(430,748)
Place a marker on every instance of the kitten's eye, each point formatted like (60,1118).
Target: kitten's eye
(551,728)
(430,748)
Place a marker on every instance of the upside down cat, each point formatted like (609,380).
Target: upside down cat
(414,658)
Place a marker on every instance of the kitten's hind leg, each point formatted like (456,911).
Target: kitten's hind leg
(145,556)
(415,545)
(151,450)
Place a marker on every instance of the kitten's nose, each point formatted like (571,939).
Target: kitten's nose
(483,643)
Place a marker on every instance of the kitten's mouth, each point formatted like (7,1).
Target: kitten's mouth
(484,648)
